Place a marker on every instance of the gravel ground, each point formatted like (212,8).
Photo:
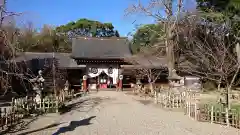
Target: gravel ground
(114,113)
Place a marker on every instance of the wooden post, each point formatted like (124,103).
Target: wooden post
(165,101)
(22,103)
(180,100)
(173,102)
(177,101)
(27,107)
(238,120)
(189,110)
(48,105)
(13,115)
(212,109)
(227,116)
(5,116)
(43,105)
(40,104)
(26,102)
(15,104)
(186,108)
(57,106)
(10,117)
(156,97)
(161,100)
(195,111)
(169,101)
(35,104)
(1,118)
(12,104)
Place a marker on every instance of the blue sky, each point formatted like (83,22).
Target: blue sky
(57,12)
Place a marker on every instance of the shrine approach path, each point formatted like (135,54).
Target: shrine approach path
(115,113)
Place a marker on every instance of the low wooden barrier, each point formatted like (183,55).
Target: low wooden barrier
(223,116)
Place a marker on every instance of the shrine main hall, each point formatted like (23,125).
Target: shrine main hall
(100,61)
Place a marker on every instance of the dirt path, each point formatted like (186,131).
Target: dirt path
(114,113)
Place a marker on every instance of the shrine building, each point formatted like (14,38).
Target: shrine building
(98,62)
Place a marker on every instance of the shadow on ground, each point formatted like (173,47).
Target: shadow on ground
(73,125)
(20,126)
(145,102)
(91,103)
(67,108)
(32,131)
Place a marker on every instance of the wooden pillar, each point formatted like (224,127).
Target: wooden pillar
(84,83)
(120,82)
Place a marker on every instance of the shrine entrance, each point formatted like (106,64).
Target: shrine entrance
(104,81)
(102,77)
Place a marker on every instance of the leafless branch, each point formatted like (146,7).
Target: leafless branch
(154,9)
(209,52)
(8,40)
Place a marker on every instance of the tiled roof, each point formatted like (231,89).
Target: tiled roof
(141,61)
(100,48)
(64,59)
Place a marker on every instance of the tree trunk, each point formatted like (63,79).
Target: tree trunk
(219,87)
(219,84)
(151,87)
(170,57)
(169,50)
(228,97)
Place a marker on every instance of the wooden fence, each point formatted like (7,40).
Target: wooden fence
(170,100)
(187,101)
(8,118)
(175,99)
(25,106)
(30,105)
(219,115)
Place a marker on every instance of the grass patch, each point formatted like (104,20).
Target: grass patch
(218,106)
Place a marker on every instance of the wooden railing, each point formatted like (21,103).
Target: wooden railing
(223,116)
(26,106)
(187,102)
(8,118)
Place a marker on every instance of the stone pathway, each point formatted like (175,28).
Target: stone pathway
(114,113)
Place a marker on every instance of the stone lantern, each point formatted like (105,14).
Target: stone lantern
(38,86)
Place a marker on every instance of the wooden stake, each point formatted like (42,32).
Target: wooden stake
(48,105)
(5,115)
(227,116)
(173,102)
(57,106)
(12,104)
(40,105)
(189,109)
(212,114)
(186,108)
(1,118)
(43,105)
(195,110)
(178,102)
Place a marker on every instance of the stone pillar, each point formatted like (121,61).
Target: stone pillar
(85,83)
(120,82)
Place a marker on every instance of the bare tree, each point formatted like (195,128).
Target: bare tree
(209,51)
(8,44)
(154,9)
(146,67)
